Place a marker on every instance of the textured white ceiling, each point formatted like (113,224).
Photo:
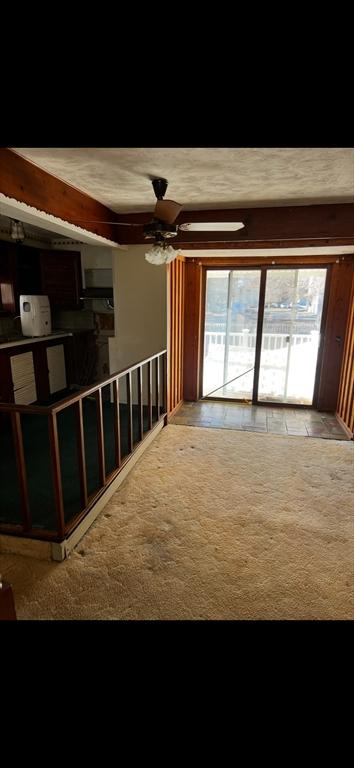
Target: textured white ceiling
(202,178)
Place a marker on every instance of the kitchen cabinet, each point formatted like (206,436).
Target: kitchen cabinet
(19,273)
(56,368)
(27,270)
(34,369)
(32,372)
(8,278)
(23,378)
(61,278)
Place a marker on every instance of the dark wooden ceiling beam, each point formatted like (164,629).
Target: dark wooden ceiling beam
(27,183)
(259,244)
(264,227)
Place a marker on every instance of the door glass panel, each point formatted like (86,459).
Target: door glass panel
(291,335)
(231,314)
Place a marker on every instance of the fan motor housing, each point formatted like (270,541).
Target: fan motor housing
(160,228)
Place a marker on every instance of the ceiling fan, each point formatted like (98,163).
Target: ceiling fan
(162,226)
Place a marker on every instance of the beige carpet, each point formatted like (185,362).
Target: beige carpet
(210,524)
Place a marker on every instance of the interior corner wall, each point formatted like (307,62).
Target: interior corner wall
(140,308)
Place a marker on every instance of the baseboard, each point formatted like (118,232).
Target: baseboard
(346,429)
(175,409)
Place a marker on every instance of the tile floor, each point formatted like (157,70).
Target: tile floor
(259,418)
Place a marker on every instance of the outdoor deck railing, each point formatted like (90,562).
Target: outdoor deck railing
(154,393)
(247,339)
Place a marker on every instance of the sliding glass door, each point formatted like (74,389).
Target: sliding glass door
(291,335)
(263,351)
(231,313)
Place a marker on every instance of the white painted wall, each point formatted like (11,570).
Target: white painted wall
(140,308)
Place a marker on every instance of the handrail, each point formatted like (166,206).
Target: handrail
(84,392)
(15,407)
(56,407)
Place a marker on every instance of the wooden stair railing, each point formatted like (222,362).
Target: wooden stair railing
(155,365)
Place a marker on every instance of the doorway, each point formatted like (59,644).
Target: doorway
(262,332)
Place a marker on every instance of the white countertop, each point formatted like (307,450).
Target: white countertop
(33,339)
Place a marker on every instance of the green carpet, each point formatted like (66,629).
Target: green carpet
(38,462)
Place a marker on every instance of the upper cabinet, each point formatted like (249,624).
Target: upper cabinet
(61,278)
(27,270)
(8,277)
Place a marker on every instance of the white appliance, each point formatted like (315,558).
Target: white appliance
(35,315)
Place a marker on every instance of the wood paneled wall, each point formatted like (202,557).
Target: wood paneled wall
(193,319)
(345,406)
(334,335)
(176,291)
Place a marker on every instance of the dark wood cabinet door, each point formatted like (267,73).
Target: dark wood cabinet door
(8,277)
(61,278)
(6,385)
(28,271)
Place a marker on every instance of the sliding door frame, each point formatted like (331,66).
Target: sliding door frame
(261,300)
(327,268)
(216,268)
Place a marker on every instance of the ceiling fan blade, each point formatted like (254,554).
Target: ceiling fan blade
(167,211)
(211,226)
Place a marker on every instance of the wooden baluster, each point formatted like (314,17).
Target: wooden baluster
(56,469)
(116,416)
(149,373)
(21,470)
(157,383)
(100,437)
(81,452)
(130,411)
(164,382)
(140,402)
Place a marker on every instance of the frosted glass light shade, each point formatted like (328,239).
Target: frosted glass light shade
(160,255)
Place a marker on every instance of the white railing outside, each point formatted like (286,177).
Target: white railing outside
(288,363)
(247,339)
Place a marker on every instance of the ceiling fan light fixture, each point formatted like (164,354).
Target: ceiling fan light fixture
(161,254)
(212,226)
